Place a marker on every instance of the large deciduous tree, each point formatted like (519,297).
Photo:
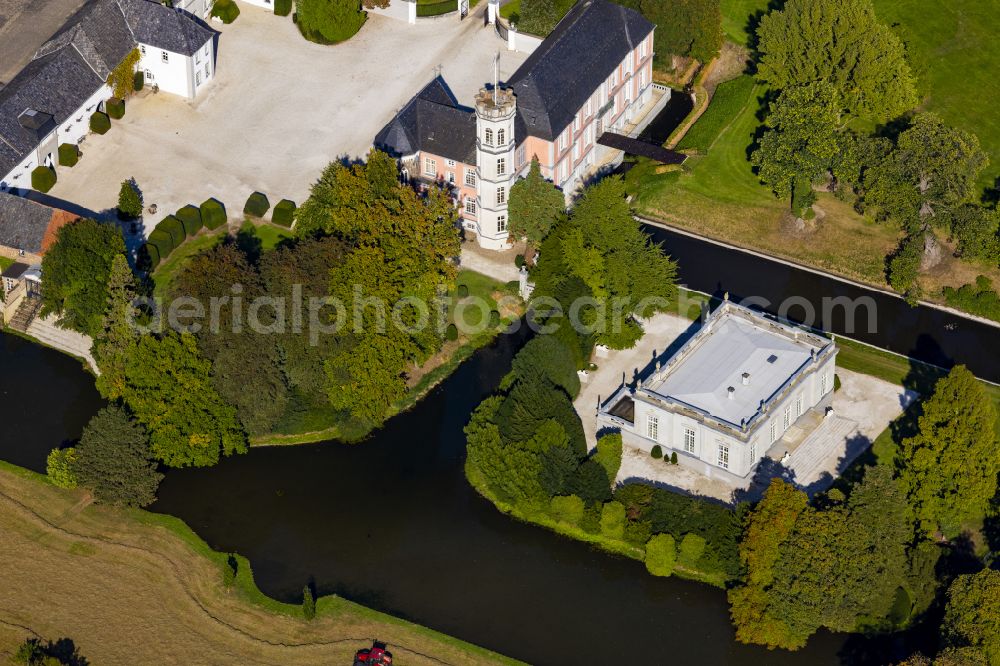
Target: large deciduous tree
(535,205)
(949,468)
(690,28)
(76,269)
(114,460)
(971,628)
(118,336)
(841,43)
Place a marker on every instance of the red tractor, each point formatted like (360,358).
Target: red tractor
(376,655)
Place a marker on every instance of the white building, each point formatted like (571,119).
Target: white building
(729,394)
(51,100)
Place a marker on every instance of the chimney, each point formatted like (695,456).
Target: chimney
(731,391)
(746,379)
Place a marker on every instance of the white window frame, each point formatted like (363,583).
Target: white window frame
(753,450)
(430,167)
(470,177)
(501,166)
(521,155)
(450,163)
(576,150)
(690,441)
(798,406)
(470,205)
(501,195)
(774,431)
(653,427)
(501,223)
(488,136)
(142,49)
(786,419)
(451,177)
(501,137)
(164,57)
(722,459)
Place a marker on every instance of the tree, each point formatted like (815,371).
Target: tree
(691,549)
(609,454)
(802,140)
(613,520)
(510,472)
(535,205)
(977,231)
(661,555)
(545,357)
(129,200)
(904,265)
(683,27)
(59,467)
(77,269)
(531,403)
(843,44)
(567,508)
(114,460)
(329,21)
(591,482)
(308,603)
(118,337)
(169,390)
(972,616)
(949,468)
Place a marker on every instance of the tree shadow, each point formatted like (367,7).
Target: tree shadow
(249,243)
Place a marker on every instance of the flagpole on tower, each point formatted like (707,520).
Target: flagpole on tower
(496,75)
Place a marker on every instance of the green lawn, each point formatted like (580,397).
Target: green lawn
(510,9)
(167,270)
(270,235)
(5,263)
(727,102)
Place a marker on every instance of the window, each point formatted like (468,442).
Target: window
(564,169)
(723,456)
(642,79)
(430,167)
(774,432)
(501,223)
(642,49)
(470,205)
(164,56)
(197,78)
(520,155)
(788,414)
(142,49)
(590,107)
(488,136)
(451,177)
(688,440)
(614,78)
(450,163)
(501,137)
(501,166)
(206,49)
(576,150)
(501,195)
(576,123)
(652,427)
(562,141)
(149,76)
(207,74)
(753,451)
(628,90)
(798,407)
(470,177)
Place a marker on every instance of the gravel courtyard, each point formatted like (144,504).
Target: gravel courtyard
(278,111)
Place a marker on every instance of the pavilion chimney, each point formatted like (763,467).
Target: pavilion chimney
(746,379)
(731,392)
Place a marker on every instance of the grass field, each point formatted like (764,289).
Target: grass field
(132,587)
(729,98)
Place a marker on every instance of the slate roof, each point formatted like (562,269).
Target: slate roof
(434,122)
(28,225)
(164,28)
(580,53)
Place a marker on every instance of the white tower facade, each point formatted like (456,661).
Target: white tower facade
(495,144)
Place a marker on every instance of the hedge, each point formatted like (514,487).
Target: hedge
(190,217)
(661,555)
(256,205)
(436,8)
(225,10)
(100,123)
(163,243)
(283,213)
(213,213)
(43,178)
(115,108)
(149,256)
(174,227)
(138,81)
(282,7)
(69,154)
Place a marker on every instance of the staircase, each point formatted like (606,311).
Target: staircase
(25,314)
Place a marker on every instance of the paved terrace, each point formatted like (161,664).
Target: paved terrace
(278,111)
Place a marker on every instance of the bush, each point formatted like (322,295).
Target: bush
(59,467)
(69,154)
(138,81)
(225,10)
(284,213)
(308,603)
(257,205)
(513,287)
(567,508)
(282,7)
(613,520)
(836,383)
(43,178)
(656,452)
(661,555)
(100,123)
(462,291)
(494,318)
(637,532)
(163,242)
(190,217)
(609,454)
(691,549)
(673,457)
(129,200)
(451,333)
(175,228)
(519,260)
(230,570)
(213,213)
(115,108)
(591,521)
(149,257)
(979,298)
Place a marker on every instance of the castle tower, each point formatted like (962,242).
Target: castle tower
(494,164)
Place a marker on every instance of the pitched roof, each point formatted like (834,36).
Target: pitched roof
(434,122)
(160,26)
(580,53)
(28,225)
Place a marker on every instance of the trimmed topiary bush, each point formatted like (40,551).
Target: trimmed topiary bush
(519,260)
(836,383)
(691,549)
(567,508)
(149,257)
(43,178)
(494,318)
(673,457)
(163,243)
(661,555)
(213,213)
(256,205)
(282,7)
(225,10)
(613,520)
(284,213)
(451,333)
(657,451)
(190,217)
(115,108)
(462,291)
(175,228)
(138,81)
(69,154)
(100,123)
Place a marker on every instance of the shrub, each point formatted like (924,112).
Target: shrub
(519,260)
(308,603)
(190,217)
(149,257)
(59,467)
(174,227)
(691,549)
(213,213)
(163,242)
(230,570)
(567,508)
(138,81)
(613,520)
(225,10)
(513,287)
(979,298)
(462,291)
(661,555)
(256,205)
(115,108)
(451,333)
(284,213)
(673,457)
(657,451)
(282,7)
(100,123)
(637,532)
(329,21)
(609,454)
(129,200)
(494,318)
(591,521)
(43,178)
(836,383)
(69,154)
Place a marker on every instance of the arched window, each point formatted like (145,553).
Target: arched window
(500,137)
